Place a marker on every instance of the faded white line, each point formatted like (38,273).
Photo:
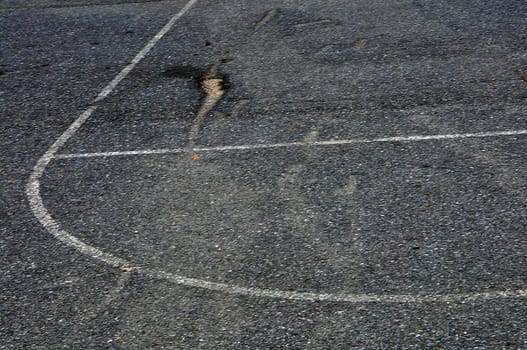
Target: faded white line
(122,153)
(41,213)
(268,16)
(336,297)
(113,84)
(297,144)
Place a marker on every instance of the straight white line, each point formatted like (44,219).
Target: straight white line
(336,297)
(122,153)
(295,144)
(113,84)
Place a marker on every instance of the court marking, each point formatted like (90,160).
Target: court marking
(39,210)
(412,138)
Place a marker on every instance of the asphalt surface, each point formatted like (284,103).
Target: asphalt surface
(431,231)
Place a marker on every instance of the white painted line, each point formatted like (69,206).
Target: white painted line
(113,84)
(297,144)
(122,153)
(336,297)
(41,213)
(33,185)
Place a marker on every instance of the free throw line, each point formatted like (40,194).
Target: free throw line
(295,144)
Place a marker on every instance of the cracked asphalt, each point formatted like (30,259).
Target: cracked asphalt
(431,230)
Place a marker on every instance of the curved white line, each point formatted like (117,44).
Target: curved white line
(41,213)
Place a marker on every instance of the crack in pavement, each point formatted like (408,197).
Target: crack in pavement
(212,86)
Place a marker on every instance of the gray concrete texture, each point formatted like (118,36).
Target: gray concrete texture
(432,232)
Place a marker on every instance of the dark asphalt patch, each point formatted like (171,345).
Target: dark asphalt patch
(184,72)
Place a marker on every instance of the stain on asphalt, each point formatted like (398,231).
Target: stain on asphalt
(203,77)
(521,75)
(184,72)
